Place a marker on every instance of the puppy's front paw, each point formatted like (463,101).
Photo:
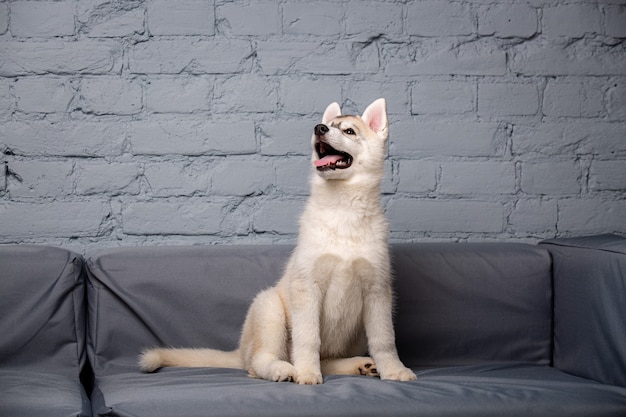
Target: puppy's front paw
(282,371)
(399,374)
(309,378)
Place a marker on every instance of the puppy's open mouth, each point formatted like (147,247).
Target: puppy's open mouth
(330,158)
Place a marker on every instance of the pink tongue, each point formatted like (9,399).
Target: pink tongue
(328,160)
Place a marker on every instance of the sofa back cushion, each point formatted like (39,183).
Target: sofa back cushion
(456,303)
(472,303)
(42,310)
(590,306)
(193,296)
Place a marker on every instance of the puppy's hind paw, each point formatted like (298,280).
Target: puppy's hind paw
(368,368)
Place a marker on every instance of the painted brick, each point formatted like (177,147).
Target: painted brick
(540,58)
(450,139)
(246,94)
(110,96)
(551,177)
(373,18)
(578,217)
(362,93)
(287,137)
(439,18)
(190,122)
(308,96)
(278,216)
(607,175)
(507,99)
(293,174)
(573,138)
(196,57)
(67,138)
(108,178)
(388,186)
(189,17)
(615,20)
(276,57)
(571,20)
(191,137)
(40,179)
(573,99)
(4,18)
(237,217)
(445,216)
(60,57)
(508,21)
(188,217)
(534,216)
(179,95)
(617,102)
(44,95)
(42,19)
(241,178)
(474,58)
(6,98)
(441,97)
(107,19)
(347,57)
(176,179)
(4,177)
(61,219)
(416,176)
(477,178)
(311,18)
(258,18)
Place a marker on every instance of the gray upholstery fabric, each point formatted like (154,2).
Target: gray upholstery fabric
(590,306)
(32,393)
(42,349)
(498,389)
(485,308)
(473,303)
(194,296)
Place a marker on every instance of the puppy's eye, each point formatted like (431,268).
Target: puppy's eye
(349,131)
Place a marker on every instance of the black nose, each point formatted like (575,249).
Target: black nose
(320,130)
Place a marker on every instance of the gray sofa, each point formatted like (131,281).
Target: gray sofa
(490,329)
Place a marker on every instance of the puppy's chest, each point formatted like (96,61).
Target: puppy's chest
(343,290)
(341,315)
(343,227)
(344,294)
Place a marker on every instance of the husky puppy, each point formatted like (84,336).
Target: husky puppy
(334,302)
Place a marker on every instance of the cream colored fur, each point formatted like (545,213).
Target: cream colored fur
(334,302)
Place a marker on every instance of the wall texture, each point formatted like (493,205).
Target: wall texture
(167,122)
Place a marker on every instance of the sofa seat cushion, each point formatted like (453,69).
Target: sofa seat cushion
(31,393)
(511,389)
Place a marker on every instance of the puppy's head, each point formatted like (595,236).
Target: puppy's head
(348,146)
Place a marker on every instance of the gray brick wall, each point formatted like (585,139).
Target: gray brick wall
(143,122)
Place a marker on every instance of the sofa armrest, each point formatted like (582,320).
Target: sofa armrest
(590,306)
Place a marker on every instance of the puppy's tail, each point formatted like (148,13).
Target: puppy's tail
(152,359)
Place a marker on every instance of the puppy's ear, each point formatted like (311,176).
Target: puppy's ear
(331,112)
(375,116)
